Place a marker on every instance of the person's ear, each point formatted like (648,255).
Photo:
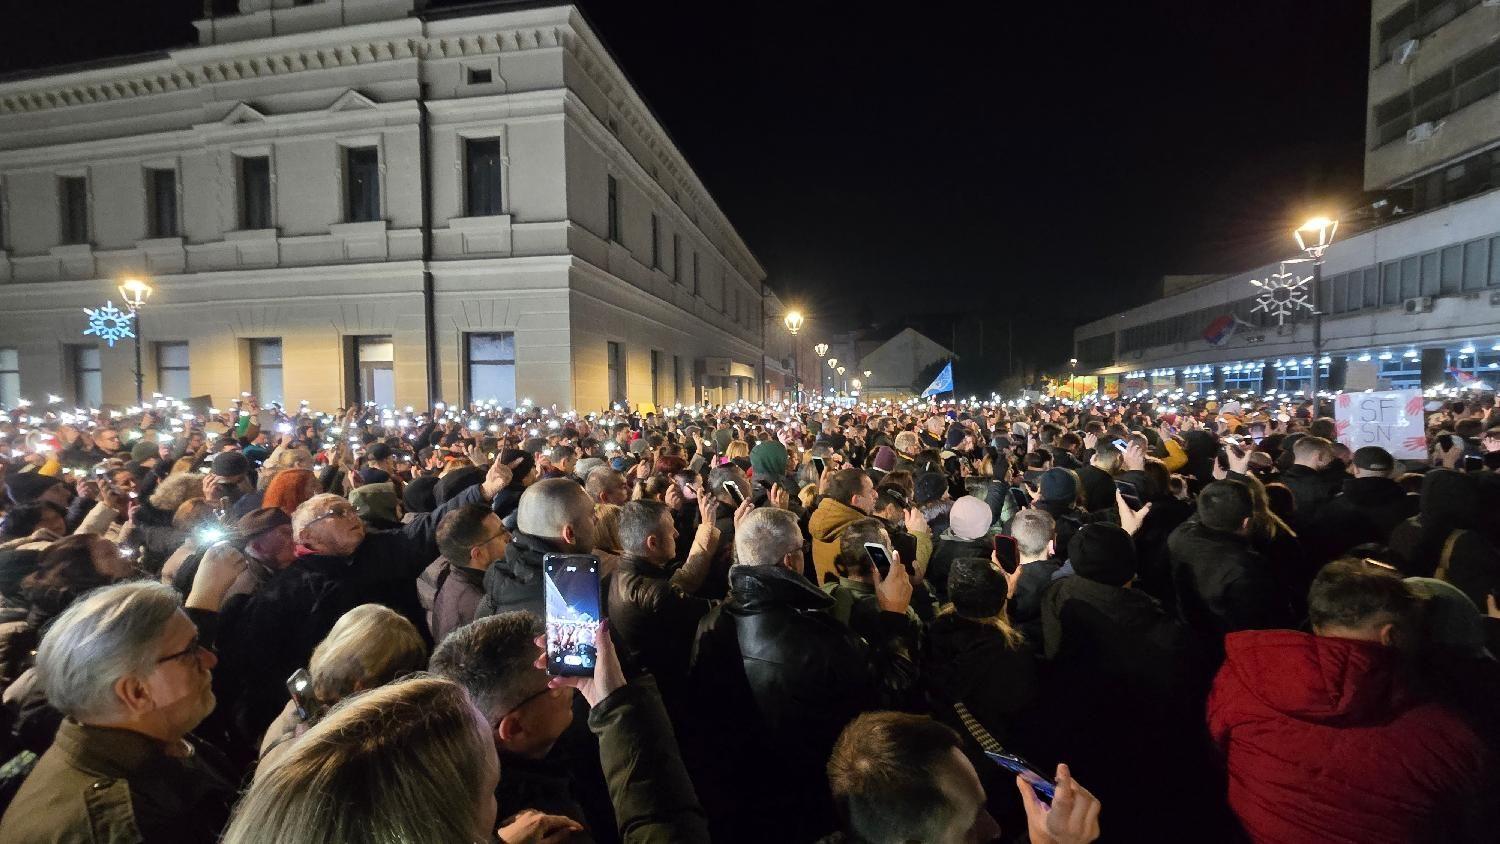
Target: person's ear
(1386,634)
(509,729)
(1052,548)
(792,562)
(569,534)
(133,694)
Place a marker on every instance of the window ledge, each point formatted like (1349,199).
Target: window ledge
(360,229)
(71,250)
(486,222)
(159,243)
(250,234)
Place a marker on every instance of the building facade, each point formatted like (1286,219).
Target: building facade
(355,201)
(1411,300)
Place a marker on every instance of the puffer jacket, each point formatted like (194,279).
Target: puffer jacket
(826,525)
(1326,745)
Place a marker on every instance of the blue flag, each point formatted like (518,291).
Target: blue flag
(943,383)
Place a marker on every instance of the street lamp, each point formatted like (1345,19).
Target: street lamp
(1073,378)
(1314,238)
(793,322)
(136,292)
(820,350)
(845,387)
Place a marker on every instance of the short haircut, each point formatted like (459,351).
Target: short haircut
(766,537)
(881,773)
(369,646)
(108,634)
(1107,458)
(1224,505)
(351,777)
(547,506)
(602,479)
(722,474)
(461,529)
(560,453)
(311,509)
(1352,593)
(1309,447)
(640,520)
(1037,459)
(905,440)
(1323,428)
(494,659)
(1033,529)
(852,560)
(844,484)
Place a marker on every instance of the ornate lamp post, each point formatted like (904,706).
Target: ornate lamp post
(1314,238)
(793,323)
(820,350)
(136,292)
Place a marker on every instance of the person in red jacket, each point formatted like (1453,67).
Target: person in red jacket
(1324,740)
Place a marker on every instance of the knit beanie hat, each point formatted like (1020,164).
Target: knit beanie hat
(583,467)
(143,450)
(457,481)
(1452,620)
(28,486)
(375,501)
(768,460)
(1059,485)
(1103,553)
(970,518)
(884,459)
(975,589)
(955,436)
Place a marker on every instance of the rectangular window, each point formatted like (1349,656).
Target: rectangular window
(479,75)
(1390,283)
(656,378)
(695,274)
(10,378)
(161,203)
(676,394)
(1476,264)
(73,203)
(255,192)
(361,184)
(265,371)
(616,373)
(88,379)
(613,210)
(1411,278)
(676,259)
(492,367)
(1452,269)
(655,242)
(172,370)
(1430,275)
(482,177)
(1372,287)
(1340,291)
(375,371)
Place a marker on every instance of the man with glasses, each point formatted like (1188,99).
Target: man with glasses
(339,565)
(126,666)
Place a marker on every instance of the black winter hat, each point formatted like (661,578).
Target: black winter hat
(1103,553)
(420,495)
(230,464)
(457,481)
(1059,485)
(976,589)
(28,486)
(929,486)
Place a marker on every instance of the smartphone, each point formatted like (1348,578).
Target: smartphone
(879,557)
(820,465)
(1008,552)
(1120,444)
(1042,786)
(1019,497)
(734,492)
(572,590)
(299,686)
(1129,492)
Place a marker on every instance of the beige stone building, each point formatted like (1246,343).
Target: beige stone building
(358,201)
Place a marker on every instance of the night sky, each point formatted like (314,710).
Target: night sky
(1027,166)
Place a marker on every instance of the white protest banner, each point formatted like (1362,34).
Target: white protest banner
(1391,419)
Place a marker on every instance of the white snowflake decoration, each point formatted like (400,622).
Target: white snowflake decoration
(1282,295)
(109,323)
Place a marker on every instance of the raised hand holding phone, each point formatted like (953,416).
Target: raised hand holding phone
(1073,817)
(893,592)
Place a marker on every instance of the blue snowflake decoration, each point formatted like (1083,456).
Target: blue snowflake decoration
(109,323)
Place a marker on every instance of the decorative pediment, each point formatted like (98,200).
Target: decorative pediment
(352,100)
(243,113)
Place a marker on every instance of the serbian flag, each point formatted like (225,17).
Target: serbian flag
(1461,376)
(1220,330)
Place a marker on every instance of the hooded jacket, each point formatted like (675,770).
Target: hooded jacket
(514,582)
(826,525)
(1324,743)
(1366,510)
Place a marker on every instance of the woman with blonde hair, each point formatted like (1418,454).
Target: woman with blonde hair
(406,762)
(369,646)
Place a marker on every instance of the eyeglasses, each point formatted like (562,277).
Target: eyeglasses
(339,510)
(191,650)
(528,699)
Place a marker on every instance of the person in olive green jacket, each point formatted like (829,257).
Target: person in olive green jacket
(127,667)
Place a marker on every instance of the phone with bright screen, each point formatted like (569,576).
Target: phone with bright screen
(734,492)
(820,465)
(1008,552)
(1041,785)
(571,582)
(877,554)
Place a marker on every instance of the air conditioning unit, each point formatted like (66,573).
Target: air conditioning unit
(1406,51)
(1418,305)
(1423,131)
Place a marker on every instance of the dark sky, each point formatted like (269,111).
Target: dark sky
(1026,164)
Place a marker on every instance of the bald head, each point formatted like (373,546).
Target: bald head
(558,509)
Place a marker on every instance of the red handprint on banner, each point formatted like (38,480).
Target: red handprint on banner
(1414,406)
(1345,399)
(1415,443)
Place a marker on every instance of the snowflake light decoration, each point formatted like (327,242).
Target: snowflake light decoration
(109,323)
(1282,295)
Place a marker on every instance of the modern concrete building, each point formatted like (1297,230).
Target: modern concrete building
(356,200)
(1411,300)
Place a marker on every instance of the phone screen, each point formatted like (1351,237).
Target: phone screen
(1043,787)
(572,587)
(1008,551)
(1120,444)
(734,492)
(298,686)
(1019,496)
(819,465)
(1128,492)
(877,554)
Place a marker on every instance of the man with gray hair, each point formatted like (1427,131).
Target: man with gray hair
(779,677)
(127,668)
(554,516)
(1035,533)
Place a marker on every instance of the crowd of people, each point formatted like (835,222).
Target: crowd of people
(916,621)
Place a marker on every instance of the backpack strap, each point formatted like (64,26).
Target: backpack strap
(1447,556)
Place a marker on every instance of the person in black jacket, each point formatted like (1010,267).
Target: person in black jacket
(779,678)
(268,634)
(1449,539)
(554,516)
(1370,506)
(1222,585)
(1314,478)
